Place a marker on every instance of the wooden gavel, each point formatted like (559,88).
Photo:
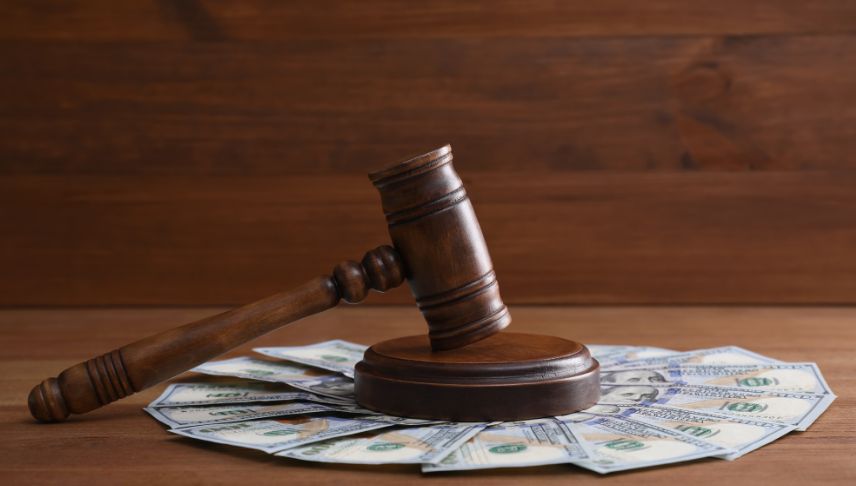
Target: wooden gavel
(438,248)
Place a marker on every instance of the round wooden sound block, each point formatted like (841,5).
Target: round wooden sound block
(508,376)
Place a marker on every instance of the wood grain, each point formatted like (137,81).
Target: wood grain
(179,20)
(181,152)
(334,106)
(687,237)
(120,444)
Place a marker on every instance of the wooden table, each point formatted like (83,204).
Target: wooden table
(122,445)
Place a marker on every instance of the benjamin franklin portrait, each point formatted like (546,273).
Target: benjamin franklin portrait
(629,394)
(632,377)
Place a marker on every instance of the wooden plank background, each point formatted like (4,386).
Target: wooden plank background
(202,152)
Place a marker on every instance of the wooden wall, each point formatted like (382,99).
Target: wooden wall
(616,151)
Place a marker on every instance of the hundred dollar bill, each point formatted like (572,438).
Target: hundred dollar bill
(616,444)
(783,377)
(277,435)
(601,350)
(394,420)
(739,435)
(397,446)
(179,417)
(514,444)
(629,354)
(798,409)
(298,376)
(336,355)
(187,394)
(724,355)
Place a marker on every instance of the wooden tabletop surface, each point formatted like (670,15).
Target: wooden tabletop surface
(122,445)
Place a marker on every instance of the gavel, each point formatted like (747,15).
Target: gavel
(438,247)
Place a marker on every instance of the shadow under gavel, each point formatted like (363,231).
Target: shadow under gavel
(438,248)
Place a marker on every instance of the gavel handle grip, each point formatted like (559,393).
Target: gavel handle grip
(149,361)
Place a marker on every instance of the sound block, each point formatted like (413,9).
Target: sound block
(508,376)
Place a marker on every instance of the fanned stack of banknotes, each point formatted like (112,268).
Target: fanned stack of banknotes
(658,406)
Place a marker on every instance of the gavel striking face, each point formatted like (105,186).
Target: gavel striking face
(438,248)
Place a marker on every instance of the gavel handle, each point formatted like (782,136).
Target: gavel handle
(139,365)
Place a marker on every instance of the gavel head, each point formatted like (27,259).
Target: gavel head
(446,262)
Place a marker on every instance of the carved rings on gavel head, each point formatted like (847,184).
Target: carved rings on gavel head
(434,228)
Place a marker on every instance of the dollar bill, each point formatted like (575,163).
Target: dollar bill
(783,377)
(336,355)
(601,350)
(416,445)
(618,444)
(179,417)
(298,376)
(514,444)
(723,355)
(629,354)
(188,394)
(739,435)
(658,406)
(394,420)
(276,435)
(797,409)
